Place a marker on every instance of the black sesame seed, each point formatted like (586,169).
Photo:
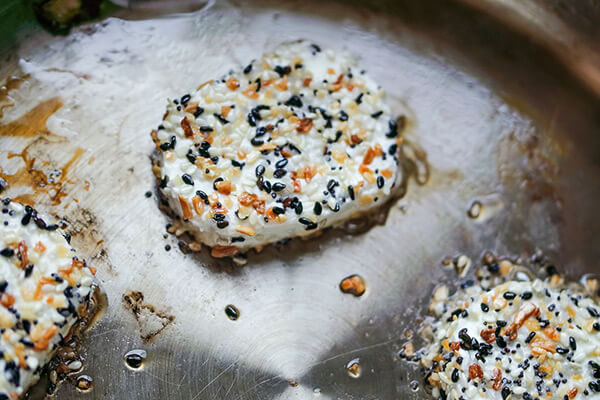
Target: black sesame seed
(331,185)
(317,209)
(187,179)
(526,295)
(343,116)
(455,375)
(376,114)
(26,218)
(198,112)
(12,373)
(278,186)
(222,224)
(252,119)
(316,48)
(185,99)
(202,195)
(278,210)
(572,343)
(380,182)
(305,221)
(530,337)
(7,252)
(509,295)
(501,342)
(561,350)
(505,392)
(351,192)
(393,132)
(206,128)
(221,118)
(593,312)
(596,326)
(359,99)
(260,131)
(281,163)
(257,142)
(248,68)
(294,101)
(281,71)
(279,173)
(485,307)
(260,170)
(237,239)
(28,270)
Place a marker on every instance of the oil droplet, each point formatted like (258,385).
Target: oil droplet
(353,368)
(475,209)
(135,359)
(232,312)
(292,383)
(414,386)
(353,284)
(84,383)
(317,391)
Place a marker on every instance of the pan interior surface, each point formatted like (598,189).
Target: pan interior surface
(500,124)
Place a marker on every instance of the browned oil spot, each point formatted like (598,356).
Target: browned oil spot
(292,382)
(83,227)
(12,83)
(353,284)
(32,176)
(33,123)
(526,160)
(151,322)
(70,348)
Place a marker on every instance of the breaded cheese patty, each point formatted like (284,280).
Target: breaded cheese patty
(296,141)
(520,340)
(44,288)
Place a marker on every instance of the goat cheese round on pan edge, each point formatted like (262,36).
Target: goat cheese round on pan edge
(44,288)
(296,141)
(519,340)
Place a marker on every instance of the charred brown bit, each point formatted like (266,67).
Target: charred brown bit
(223,251)
(497,379)
(185,207)
(488,335)
(304,125)
(525,312)
(475,371)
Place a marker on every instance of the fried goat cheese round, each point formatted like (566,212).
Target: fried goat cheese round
(44,288)
(291,143)
(519,340)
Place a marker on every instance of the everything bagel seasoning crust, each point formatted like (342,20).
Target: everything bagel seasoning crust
(291,143)
(44,289)
(519,340)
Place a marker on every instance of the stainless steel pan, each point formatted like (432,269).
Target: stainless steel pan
(502,97)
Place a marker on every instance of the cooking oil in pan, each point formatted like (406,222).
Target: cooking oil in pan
(353,368)
(84,383)
(475,209)
(135,359)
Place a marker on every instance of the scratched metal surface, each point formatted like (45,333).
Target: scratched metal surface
(501,120)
